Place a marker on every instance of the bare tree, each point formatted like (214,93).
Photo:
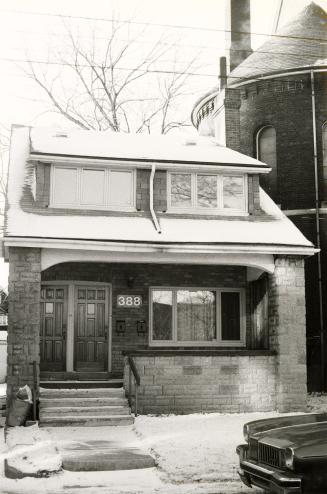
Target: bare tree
(109,83)
(4,149)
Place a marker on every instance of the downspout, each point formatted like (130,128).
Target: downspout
(153,214)
(321,315)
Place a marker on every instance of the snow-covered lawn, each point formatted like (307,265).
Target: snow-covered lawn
(195,448)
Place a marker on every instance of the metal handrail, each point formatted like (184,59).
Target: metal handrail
(133,371)
(34,389)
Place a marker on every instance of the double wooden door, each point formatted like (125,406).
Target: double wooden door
(85,339)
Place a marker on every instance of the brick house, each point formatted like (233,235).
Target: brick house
(159,248)
(272,105)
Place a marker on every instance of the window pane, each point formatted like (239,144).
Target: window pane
(230,316)
(65,187)
(267,146)
(181,190)
(234,192)
(93,182)
(196,315)
(162,303)
(207,191)
(121,188)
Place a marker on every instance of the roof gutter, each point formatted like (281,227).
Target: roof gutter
(153,214)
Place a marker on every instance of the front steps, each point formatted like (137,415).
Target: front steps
(90,407)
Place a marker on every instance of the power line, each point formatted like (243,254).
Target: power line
(22,12)
(130,69)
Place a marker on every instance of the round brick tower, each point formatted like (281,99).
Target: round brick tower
(273,106)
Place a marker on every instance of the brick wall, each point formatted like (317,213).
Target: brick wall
(287,332)
(189,384)
(23,316)
(285,103)
(42,189)
(144,276)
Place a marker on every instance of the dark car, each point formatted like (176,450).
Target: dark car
(286,455)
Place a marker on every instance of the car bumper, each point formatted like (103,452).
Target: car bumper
(265,477)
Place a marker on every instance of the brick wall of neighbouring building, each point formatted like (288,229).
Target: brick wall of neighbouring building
(23,316)
(189,384)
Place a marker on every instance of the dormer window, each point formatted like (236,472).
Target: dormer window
(92,188)
(205,192)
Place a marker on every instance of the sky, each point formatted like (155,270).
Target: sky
(33,28)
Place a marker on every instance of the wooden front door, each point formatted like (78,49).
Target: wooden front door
(91,328)
(53,328)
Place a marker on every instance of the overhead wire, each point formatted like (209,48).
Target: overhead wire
(174,26)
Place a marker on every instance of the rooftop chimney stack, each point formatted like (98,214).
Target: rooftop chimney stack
(238,28)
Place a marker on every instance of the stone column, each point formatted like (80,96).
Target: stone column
(287,328)
(23,317)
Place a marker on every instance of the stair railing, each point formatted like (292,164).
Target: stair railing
(136,379)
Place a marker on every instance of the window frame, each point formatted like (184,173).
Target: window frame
(194,208)
(213,343)
(107,205)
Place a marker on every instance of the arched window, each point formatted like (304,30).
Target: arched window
(324,162)
(266,152)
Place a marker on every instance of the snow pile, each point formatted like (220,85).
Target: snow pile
(317,402)
(31,451)
(3,390)
(194,448)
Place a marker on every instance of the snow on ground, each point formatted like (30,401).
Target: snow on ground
(195,455)
(195,448)
(31,450)
(317,402)
(3,388)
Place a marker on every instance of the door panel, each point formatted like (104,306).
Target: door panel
(53,328)
(91,328)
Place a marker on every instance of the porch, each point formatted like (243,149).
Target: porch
(204,337)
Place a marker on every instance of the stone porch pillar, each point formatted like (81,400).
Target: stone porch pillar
(287,327)
(23,317)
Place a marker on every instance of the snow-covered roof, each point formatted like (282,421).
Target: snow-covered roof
(136,147)
(271,229)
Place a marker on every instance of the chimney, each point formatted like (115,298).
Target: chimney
(222,73)
(238,27)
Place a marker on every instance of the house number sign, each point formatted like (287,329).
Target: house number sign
(129,300)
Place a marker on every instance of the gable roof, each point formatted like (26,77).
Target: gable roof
(300,43)
(271,231)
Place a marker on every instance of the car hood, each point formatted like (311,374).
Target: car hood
(295,436)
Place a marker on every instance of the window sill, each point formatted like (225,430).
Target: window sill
(208,212)
(207,352)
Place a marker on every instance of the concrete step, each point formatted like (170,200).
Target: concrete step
(86,411)
(82,393)
(80,384)
(107,459)
(81,402)
(87,421)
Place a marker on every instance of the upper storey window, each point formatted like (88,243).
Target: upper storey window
(267,152)
(207,193)
(266,146)
(92,188)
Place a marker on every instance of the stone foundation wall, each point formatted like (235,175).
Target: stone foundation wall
(188,384)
